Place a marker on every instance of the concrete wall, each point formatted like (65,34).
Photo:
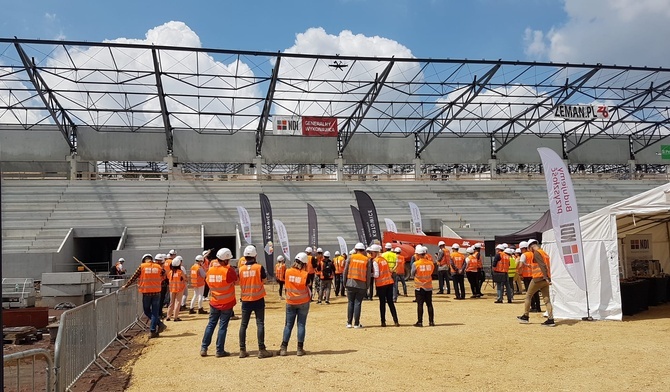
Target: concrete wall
(22,265)
(601,150)
(370,149)
(452,150)
(63,261)
(651,154)
(299,149)
(523,149)
(190,146)
(113,145)
(32,145)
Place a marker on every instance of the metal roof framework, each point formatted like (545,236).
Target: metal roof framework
(134,88)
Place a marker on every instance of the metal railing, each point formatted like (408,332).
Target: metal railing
(21,357)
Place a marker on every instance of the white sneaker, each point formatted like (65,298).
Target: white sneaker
(359,326)
(546,315)
(205,299)
(348,325)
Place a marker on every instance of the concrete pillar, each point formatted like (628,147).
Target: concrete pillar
(340,169)
(258,163)
(169,160)
(493,163)
(417,167)
(631,167)
(72,172)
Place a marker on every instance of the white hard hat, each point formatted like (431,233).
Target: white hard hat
(121,260)
(455,246)
(319,250)
(280,258)
(505,245)
(397,250)
(250,251)
(478,245)
(517,250)
(351,252)
(523,244)
(301,257)
(159,257)
(172,252)
(501,246)
(147,255)
(337,253)
(199,258)
(532,241)
(441,243)
(176,262)
(388,245)
(309,249)
(359,246)
(470,250)
(375,248)
(205,253)
(226,254)
(326,254)
(420,249)
(509,251)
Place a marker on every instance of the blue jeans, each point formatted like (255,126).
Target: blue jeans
(399,278)
(222,316)
(499,290)
(355,300)
(151,307)
(258,308)
(292,312)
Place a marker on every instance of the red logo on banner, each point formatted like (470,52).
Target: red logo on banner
(319,126)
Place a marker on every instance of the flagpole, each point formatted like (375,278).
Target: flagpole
(586,290)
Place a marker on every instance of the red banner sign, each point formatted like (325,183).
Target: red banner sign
(319,126)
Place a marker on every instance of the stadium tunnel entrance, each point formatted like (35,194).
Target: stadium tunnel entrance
(220,235)
(94,246)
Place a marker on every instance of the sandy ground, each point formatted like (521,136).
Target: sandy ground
(476,346)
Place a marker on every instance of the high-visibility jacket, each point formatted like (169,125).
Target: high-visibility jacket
(222,292)
(472,264)
(205,264)
(457,259)
(503,264)
(423,277)
(511,272)
(527,268)
(150,278)
(280,271)
(537,272)
(196,279)
(167,266)
(297,291)
(445,258)
(479,261)
(319,265)
(339,264)
(177,281)
(400,265)
(310,267)
(358,267)
(385,277)
(391,257)
(251,283)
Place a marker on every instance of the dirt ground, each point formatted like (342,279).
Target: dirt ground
(476,346)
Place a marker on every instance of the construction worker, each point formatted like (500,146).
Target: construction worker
(311,269)
(525,265)
(515,282)
(297,304)
(480,267)
(400,274)
(221,278)
(443,263)
(165,286)
(206,264)
(472,272)
(339,262)
(422,269)
(357,273)
(457,267)
(252,280)
(541,282)
(150,277)
(119,269)
(500,273)
(280,271)
(198,275)
(177,279)
(384,282)
(326,274)
(317,267)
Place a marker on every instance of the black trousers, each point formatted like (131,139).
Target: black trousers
(535,301)
(164,290)
(206,293)
(385,294)
(424,297)
(371,290)
(473,279)
(443,281)
(281,287)
(459,285)
(339,285)
(482,279)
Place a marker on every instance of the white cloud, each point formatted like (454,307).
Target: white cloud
(50,17)
(622,32)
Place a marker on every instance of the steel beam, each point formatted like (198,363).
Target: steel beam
(59,115)
(427,132)
(351,124)
(267,105)
(161,98)
(575,86)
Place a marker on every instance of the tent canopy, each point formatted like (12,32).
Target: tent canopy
(534,231)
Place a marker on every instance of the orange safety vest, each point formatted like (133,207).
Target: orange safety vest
(205,264)
(280,271)
(167,265)
(196,279)
(177,281)
(459,259)
(527,268)
(445,258)
(385,278)
(472,264)
(503,264)
(429,257)
(479,262)
(251,283)
(358,267)
(297,291)
(150,278)
(537,272)
(339,265)
(400,265)
(310,267)
(423,278)
(223,293)
(319,262)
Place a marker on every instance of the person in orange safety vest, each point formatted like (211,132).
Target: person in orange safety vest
(150,276)
(297,304)
(198,274)
(422,269)
(252,288)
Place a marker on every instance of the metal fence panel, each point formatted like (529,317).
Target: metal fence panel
(106,312)
(127,307)
(75,348)
(13,374)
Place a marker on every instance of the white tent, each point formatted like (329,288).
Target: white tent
(602,233)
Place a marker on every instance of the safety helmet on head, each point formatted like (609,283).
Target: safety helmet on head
(470,250)
(531,242)
(375,248)
(159,257)
(337,253)
(319,250)
(441,243)
(250,251)
(147,255)
(500,246)
(309,249)
(226,254)
(388,246)
(351,252)
(505,245)
(301,258)
(455,246)
(397,250)
(420,249)
(172,252)
(199,258)
(280,258)
(478,245)
(326,254)
(176,262)
(509,251)
(359,246)
(517,251)
(523,244)
(122,260)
